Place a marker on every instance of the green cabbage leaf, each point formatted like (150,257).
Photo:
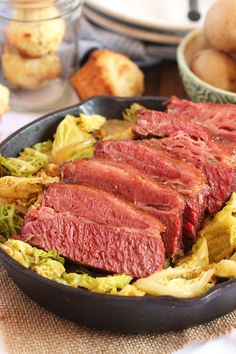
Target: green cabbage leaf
(27,255)
(71,142)
(130,114)
(220,232)
(23,187)
(10,221)
(27,164)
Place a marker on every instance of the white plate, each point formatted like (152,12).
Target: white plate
(130,31)
(156,14)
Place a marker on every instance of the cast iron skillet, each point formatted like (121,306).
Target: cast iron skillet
(111,312)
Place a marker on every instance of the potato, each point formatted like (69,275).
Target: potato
(220,25)
(215,68)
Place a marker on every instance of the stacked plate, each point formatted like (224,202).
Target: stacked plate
(159,21)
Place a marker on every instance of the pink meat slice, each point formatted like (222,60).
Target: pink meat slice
(219,173)
(160,165)
(218,119)
(100,207)
(160,124)
(96,245)
(129,183)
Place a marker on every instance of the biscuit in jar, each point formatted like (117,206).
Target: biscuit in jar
(36,32)
(108,73)
(29,73)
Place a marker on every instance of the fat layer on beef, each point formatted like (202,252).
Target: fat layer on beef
(219,120)
(179,175)
(129,183)
(116,250)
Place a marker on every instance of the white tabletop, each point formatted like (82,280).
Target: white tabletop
(12,121)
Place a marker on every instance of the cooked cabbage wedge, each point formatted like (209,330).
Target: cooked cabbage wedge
(44,147)
(198,257)
(117,129)
(126,134)
(23,187)
(28,163)
(49,268)
(233,257)
(177,282)
(97,284)
(128,290)
(71,142)
(27,255)
(226,268)
(91,123)
(220,232)
(10,220)
(130,114)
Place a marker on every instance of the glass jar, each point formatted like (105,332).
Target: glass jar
(38,51)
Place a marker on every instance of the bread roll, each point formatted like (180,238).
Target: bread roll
(29,73)
(36,32)
(108,73)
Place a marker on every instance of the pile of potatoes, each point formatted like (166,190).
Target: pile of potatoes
(216,64)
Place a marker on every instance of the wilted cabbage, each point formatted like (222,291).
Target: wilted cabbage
(70,142)
(91,123)
(126,134)
(178,282)
(97,284)
(10,220)
(44,147)
(51,265)
(226,268)
(28,163)
(23,187)
(27,255)
(128,290)
(198,257)
(130,114)
(220,232)
(49,268)
(233,257)
(78,280)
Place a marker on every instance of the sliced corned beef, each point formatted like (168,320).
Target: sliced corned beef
(100,207)
(101,246)
(179,175)
(127,182)
(160,124)
(218,119)
(218,171)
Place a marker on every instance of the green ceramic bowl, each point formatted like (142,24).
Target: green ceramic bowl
(197,89)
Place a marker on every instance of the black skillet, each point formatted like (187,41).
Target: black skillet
(111,312)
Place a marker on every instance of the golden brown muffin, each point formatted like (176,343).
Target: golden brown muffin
(29,73)
(108,73)
(4,99)
(36,36)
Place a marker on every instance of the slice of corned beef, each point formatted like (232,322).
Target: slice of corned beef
(160,165)
(218,119)
(101,246)
(160,124)
(129,183)
(218,171)
(100,207)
